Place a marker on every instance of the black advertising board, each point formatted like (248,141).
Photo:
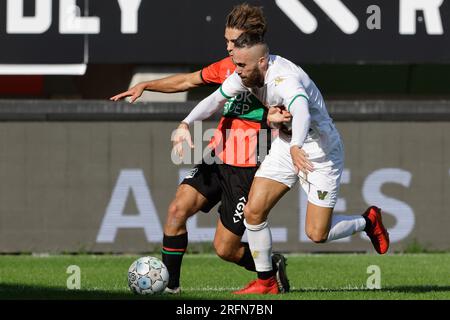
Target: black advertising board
(191,32)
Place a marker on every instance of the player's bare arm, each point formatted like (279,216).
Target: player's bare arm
(175,83)
(181,134)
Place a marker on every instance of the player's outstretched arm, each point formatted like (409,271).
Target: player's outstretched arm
(175,83)
(203,110)
(134,92)
(206,108)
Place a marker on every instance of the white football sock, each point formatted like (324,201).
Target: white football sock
(260,243)
(343,226)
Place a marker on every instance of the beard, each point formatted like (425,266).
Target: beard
(253,80)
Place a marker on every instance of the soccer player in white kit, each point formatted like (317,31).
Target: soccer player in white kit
(312,154)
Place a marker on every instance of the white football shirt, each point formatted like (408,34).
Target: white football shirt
(284,83)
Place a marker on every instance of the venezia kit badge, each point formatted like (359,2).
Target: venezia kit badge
(322,194)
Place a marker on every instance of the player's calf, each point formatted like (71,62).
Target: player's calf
(317,236)
(225,252)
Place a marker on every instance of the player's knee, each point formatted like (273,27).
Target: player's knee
(177,213)
(223,251)
(317,236)
(252,216)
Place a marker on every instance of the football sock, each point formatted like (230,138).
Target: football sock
(247,260)
(172,251)
(343,226)
(260,242)
(368,223)
(266,274)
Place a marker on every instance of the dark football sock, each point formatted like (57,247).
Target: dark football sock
(368,223)
(172,251)
(247,259)
(266,274)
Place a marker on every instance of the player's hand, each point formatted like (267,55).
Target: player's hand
(278,115)
(300,160)
(181,134)
(134,92)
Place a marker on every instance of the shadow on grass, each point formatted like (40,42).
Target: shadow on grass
(397,289)
(29,292)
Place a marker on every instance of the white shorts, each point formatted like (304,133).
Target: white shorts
(325,151)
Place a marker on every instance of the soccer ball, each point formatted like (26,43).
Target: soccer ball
(148,275)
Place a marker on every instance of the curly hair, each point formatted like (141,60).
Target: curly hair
(247,18)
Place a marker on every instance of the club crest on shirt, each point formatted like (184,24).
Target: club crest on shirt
(278,80)
(322,194)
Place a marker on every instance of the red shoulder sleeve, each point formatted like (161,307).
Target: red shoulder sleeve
(217,72)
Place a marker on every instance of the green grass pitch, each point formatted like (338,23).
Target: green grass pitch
(312,276)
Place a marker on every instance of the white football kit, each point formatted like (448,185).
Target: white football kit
(287,84)
(312,129)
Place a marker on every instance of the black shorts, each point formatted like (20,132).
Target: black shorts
(205,179)
(228,184)
(235,183)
